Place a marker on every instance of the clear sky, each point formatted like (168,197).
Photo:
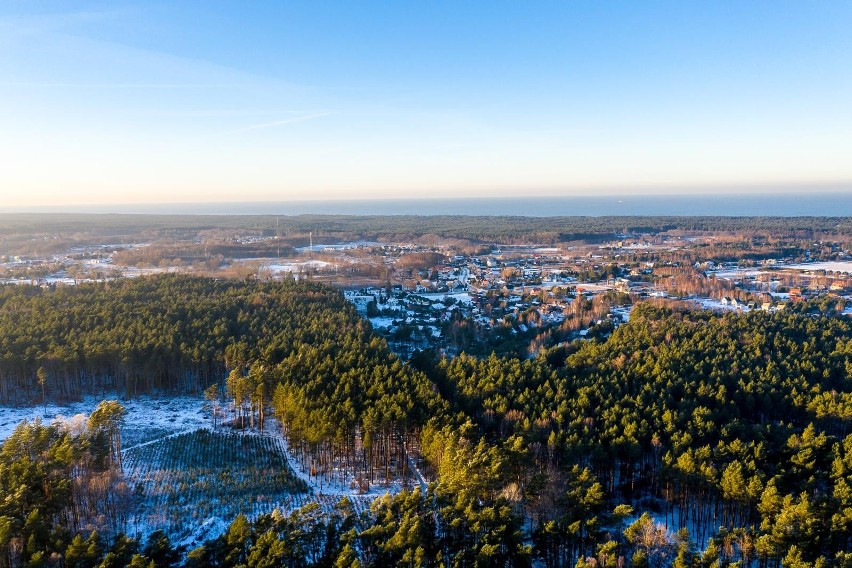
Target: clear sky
(250,100)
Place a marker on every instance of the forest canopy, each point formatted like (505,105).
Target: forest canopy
(735,428)
(490,229)
(170,333)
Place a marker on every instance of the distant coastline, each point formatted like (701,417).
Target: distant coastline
(739,205)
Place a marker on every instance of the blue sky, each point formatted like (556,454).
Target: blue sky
(125,102)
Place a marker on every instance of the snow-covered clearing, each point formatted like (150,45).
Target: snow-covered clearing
(278,268)
(461,297)
(110,270)
(148,418)
(338,246)
(739,273)
(196,484)
(717,305)
(193,483)
(836,266)
(381,322)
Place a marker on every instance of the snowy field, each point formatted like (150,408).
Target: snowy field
(460,297)
(381,322)
(107,268)
(827,266)
(739,273)
(194,483)
(290,267)
(148,418)
(339,246)
(716,305)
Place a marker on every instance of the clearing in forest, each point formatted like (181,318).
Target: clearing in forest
(208,477)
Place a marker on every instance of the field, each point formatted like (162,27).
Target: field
(148,418)
(205,478)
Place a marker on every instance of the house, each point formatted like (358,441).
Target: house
(622,285)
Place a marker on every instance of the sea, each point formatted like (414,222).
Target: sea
(834,204)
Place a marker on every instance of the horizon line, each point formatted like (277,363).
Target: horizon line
(789,190)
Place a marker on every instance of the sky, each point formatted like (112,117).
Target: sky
(209,101)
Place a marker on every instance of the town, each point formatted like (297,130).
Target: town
(455,295)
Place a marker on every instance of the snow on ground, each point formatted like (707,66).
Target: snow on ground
(836,266)
(135,271)
(709,304)
(461,297)
(738,273)
(599,287)
(33,282)
(334,487)
(325,492)
(60,278)
(285,267)
(550,284)
(623,312)
(152,423)
(208,530)
(196,482)
(339,246)
(148,418)
(215,518)
(830,266)
(381,322)
(464,276)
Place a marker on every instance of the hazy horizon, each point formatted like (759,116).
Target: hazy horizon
(785,204)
